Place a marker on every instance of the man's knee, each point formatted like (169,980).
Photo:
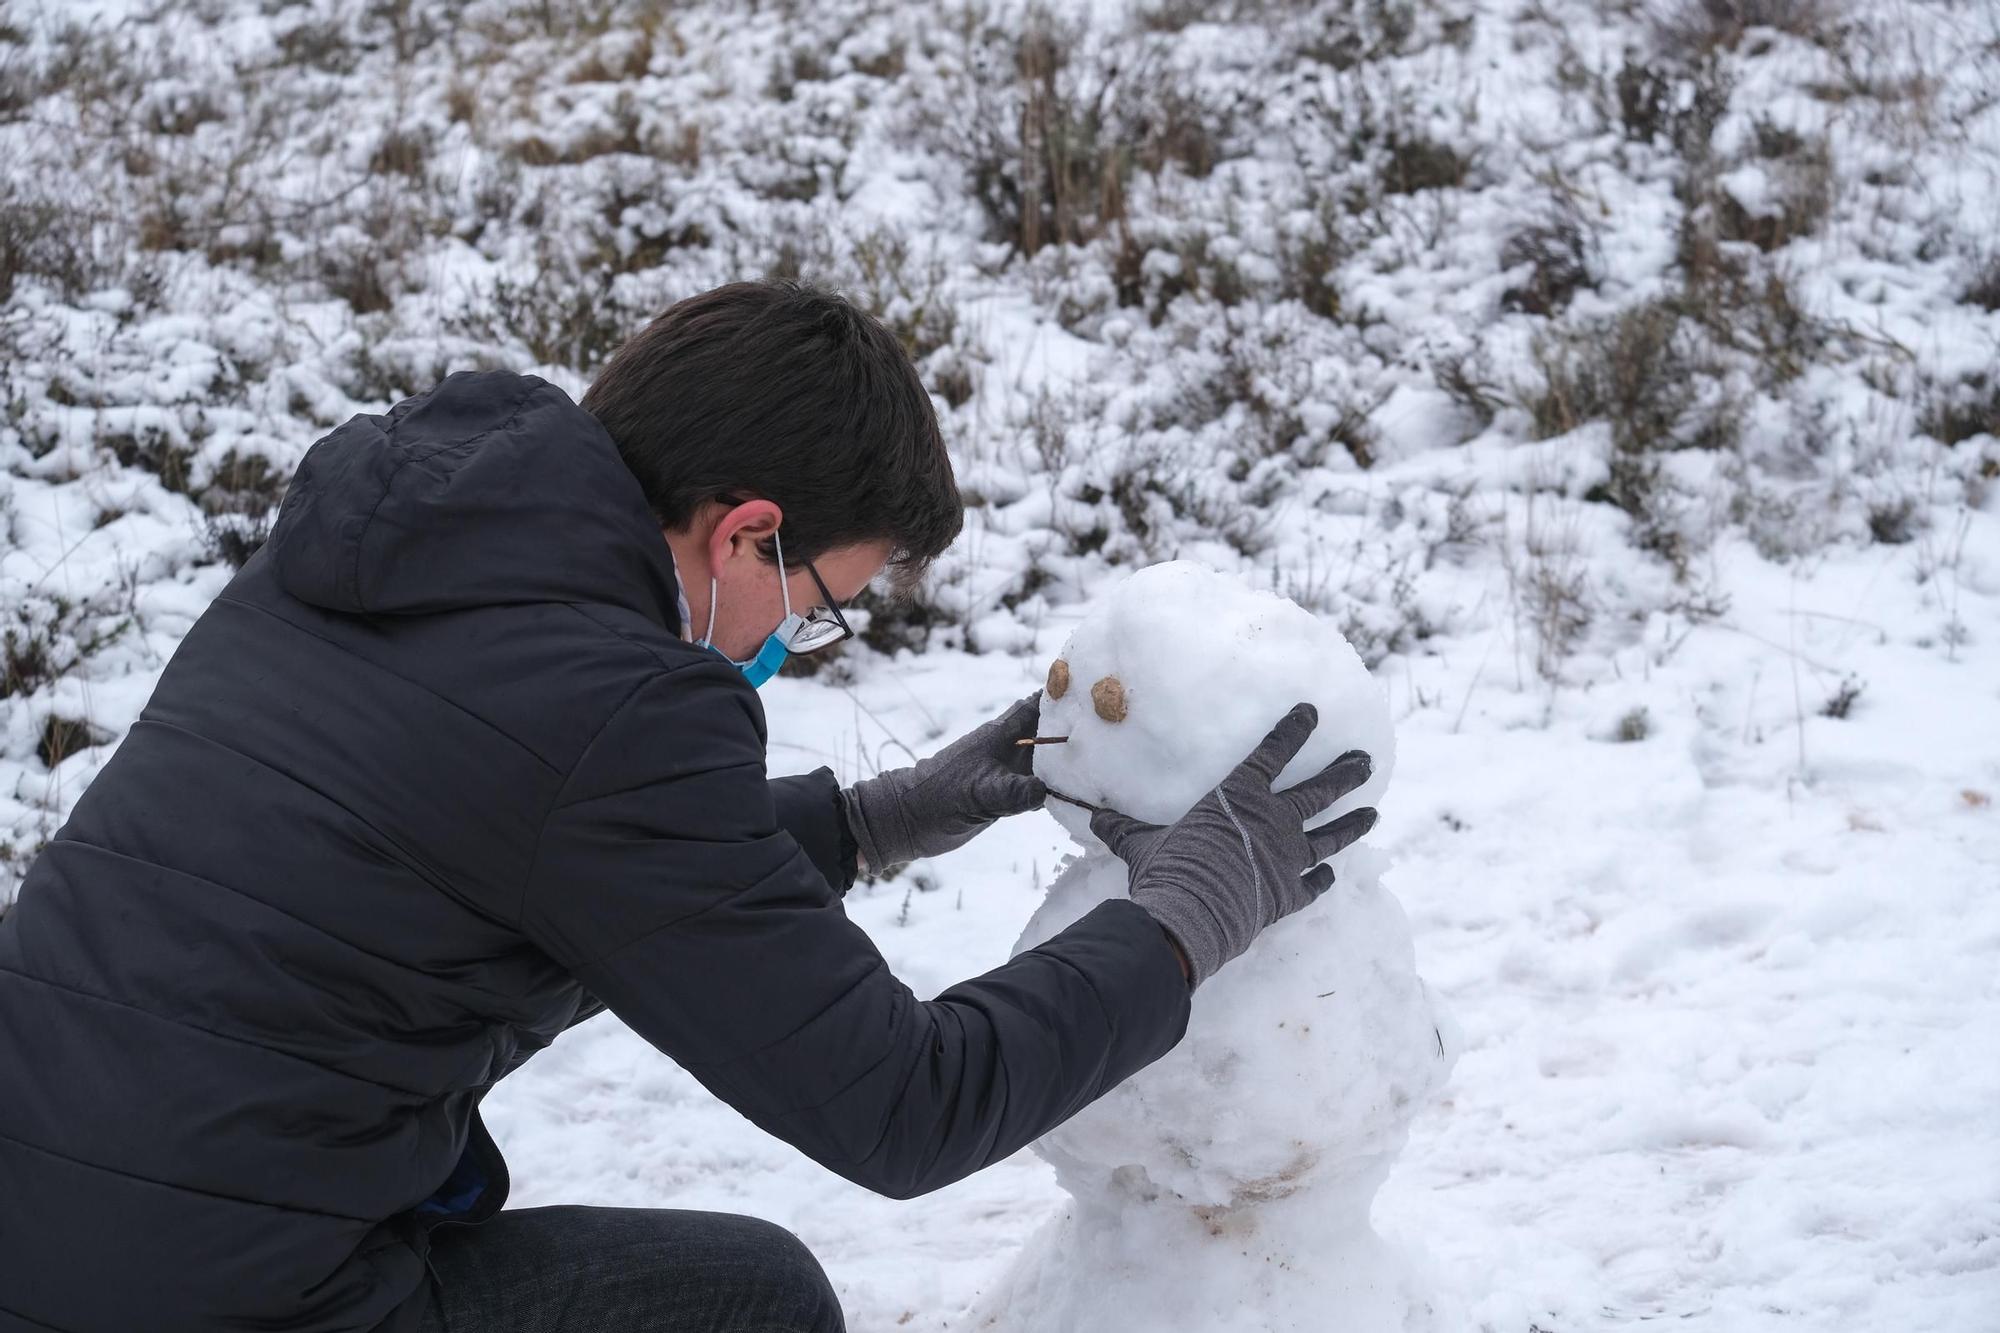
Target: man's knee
(801,1295)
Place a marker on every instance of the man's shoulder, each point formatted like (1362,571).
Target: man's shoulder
(659,675)
(623,635)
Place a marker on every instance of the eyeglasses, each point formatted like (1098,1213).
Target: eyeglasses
(821,627)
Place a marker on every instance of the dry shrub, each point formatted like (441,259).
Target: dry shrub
(1158,492)
(1952,414)
(1308,256)
(87,61)
(620,58)
(1691,126)
(401,152)
(1341,34)
(1073,166)
(1640,370)
(1802,174)
(888,63)
(1416,162)
(1466,378)
(364,261)
(234,538)
(906,293)
(1199,268)
(62,737)
(1356,32)
(1983,287)
(1840,704)
(1049,141)
(1172,15)
(155,450)
(48,634)
(898,620)
(1547,578)
(1654,377)
(1690,28)
(1758,314)
(324,45)
(1893,522)
(1645,99)
(1746,303)
(1557,254)
(565,315)
(180,111)
(53,242)
(789,69)
(625,132)
(1380,121)
(1287,409)
(242,483)
(27,660)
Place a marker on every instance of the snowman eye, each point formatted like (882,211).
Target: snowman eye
(1058,679)
(1108,697)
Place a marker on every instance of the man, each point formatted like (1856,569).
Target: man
(470,751)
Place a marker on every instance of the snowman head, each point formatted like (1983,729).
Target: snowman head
(1174,679)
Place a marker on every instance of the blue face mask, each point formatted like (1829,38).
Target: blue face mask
(765,663)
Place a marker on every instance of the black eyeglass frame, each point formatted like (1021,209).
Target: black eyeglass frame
(813,617)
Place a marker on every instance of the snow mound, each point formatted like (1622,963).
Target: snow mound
(1234,1175)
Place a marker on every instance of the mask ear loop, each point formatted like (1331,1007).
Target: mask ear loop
(784,584)
(784,590)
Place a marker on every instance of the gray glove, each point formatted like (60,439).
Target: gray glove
(1242,857)
(941,802)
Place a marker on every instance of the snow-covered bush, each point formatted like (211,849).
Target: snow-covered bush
(1286,286)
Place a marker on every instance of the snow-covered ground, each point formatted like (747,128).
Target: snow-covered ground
(1627,386)
(1729,991)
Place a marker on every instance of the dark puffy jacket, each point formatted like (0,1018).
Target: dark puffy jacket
(433,772)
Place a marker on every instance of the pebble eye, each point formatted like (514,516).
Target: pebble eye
(1058,679)
(1108,697)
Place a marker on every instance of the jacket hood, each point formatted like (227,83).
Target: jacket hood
(491,488)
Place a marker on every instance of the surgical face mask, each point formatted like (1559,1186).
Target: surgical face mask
(765,663)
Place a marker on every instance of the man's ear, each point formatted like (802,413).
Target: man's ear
(742,531)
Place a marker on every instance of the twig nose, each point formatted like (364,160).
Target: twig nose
(1042,740)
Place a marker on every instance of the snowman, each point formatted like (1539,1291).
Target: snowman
(1227,1186)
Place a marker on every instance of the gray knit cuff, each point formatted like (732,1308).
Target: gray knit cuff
(878,847)
(1194,927)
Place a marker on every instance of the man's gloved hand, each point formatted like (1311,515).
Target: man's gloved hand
(1241,858)
(942,801)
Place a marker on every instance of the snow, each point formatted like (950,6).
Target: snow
(1201,666)
(1696,812)
(1728,1017)
(1229,1182)
(1231,1179)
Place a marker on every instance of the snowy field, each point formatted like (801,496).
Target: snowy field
(1730,1013)
(1623,378)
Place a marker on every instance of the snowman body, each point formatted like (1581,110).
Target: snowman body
(1228,1185)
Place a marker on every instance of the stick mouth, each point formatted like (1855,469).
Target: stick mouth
(1043,740)
(1060,796)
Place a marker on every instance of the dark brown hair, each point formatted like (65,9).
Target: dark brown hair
(784,390)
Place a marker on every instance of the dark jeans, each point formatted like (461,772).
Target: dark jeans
(571,1269)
